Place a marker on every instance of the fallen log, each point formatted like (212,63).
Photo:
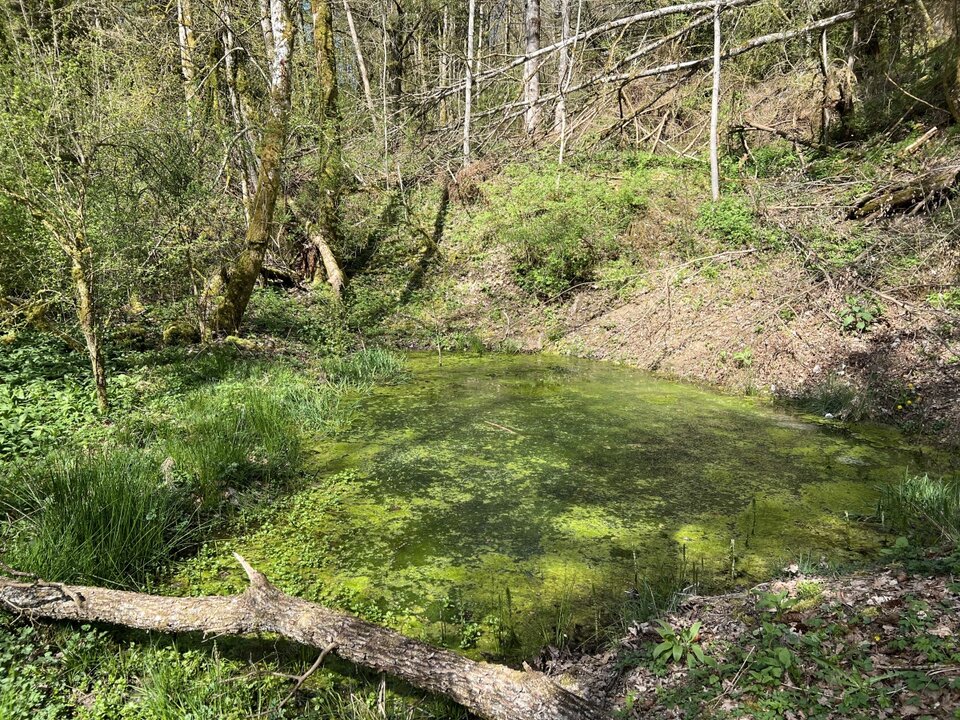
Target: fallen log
(924,190)
(490,691)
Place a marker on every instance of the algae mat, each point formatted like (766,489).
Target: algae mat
(499,503)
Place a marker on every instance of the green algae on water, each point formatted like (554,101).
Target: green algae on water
(500,503)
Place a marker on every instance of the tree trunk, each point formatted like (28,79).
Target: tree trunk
(468,88)
(361,66)
(828,99)
(563,69)
(490,691)
(396,35)
(81,270)
(266,29)
(327,234)
(227,295)
(188,45)
(715,108)
(952,65)
(246,144)
(531,67)
(912,195)
(444,61)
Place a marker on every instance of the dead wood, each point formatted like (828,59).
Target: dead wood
(490,691)
(910,195)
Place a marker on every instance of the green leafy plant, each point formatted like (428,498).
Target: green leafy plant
(945,300)
(743,358)
(730,221)
(777,603)
(677,645)
(859,314)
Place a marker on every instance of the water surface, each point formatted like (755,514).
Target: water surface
(499,502)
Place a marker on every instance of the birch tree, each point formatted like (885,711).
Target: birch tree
(531,67)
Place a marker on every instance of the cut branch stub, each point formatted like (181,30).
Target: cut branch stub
(490,691)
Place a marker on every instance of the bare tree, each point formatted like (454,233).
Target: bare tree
(564,62)
(715,108)
(531,67)
(468,88)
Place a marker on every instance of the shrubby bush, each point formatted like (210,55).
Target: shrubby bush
(558,224)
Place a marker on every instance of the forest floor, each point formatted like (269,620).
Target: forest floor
(878,644)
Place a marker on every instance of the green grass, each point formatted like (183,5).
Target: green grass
(836,397)
(232,436)
(368,366)
(106,518)
(927,509)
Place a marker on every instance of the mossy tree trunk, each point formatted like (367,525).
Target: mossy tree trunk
(82,274)
(228,293)
(325,234)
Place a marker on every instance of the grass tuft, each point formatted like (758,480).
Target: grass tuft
(106,518)
(924,507)
(368,366)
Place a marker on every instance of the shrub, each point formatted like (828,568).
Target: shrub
(731,222)
(106,518)
(558,224)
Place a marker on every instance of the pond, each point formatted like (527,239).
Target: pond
(499,503)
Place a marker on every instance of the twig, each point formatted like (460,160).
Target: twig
(301,679)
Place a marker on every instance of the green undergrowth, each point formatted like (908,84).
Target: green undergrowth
(822,661)
(86,673)
(213,436)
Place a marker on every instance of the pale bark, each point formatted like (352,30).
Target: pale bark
(246,143)
(226,297)
(489,691)
(187,43)
(335,277)
(531,67)
(266,29)
(564,62)
(715,108)
(444,60)
(468,88)
(616,24)
(361,66)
